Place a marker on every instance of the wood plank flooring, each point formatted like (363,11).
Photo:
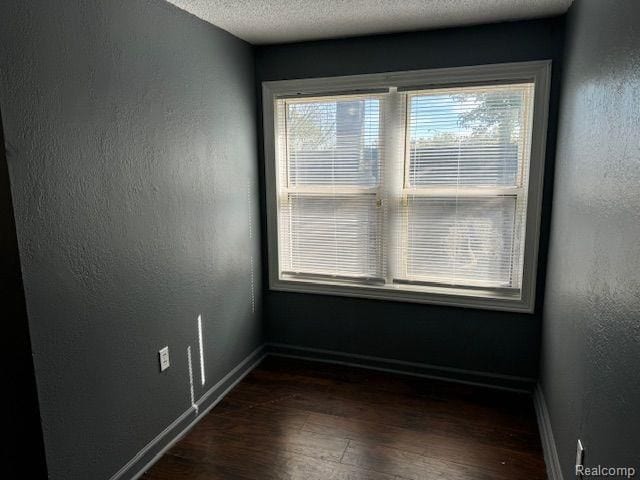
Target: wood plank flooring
(292,419)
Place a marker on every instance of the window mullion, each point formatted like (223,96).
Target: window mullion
(394,128)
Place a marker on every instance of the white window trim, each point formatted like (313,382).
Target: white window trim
(537,71)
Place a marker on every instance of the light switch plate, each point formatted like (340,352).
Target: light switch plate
(164,358)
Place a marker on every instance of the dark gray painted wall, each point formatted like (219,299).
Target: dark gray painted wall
(131,144)
(20,412)
(487,341)
(591,333)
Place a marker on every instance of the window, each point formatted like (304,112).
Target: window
(418,186)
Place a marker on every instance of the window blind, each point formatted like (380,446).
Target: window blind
(467,162)
(330,176)
(461,241)
(446,209)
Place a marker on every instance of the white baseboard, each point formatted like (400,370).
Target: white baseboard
(554,472)
(457,375)
(166,439)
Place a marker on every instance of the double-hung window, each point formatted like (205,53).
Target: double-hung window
(419,186)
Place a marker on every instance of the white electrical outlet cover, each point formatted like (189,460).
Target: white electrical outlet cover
(164,358)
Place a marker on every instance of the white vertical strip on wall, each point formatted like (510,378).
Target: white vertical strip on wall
(251,267)
(200,346)
(191,390)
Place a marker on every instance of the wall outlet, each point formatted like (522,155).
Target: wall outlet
(579,459)
(163,353)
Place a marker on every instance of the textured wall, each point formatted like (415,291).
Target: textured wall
(480,340)
(131,143)
(591,333)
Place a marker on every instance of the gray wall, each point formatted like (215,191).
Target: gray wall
(591,333)
(131,144)
(486,341)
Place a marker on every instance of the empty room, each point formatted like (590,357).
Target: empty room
(320,240)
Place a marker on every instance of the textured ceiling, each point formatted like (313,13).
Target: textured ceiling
(276,21)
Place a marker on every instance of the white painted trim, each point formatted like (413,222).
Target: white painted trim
(161,437)
(407,79)
(537,71)
(448,374)
(554,472)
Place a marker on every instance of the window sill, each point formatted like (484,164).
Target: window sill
(445,296)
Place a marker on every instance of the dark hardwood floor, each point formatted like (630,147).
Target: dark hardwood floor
(293,419)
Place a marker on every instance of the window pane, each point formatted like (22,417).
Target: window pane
(461,241)
(471,136)
(333,142)
(331,235)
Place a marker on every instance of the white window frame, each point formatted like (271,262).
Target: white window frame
(538,72)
